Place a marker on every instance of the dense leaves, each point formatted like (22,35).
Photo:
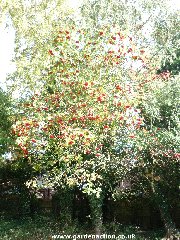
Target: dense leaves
(86,125)
(172,63)
(71,125)
(35,22)
(5,121)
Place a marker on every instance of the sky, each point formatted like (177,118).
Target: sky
(7,37)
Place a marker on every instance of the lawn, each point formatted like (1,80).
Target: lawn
(44,227)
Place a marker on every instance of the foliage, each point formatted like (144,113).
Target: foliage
(64,196)
(16,199)
(91,94)
(166,37)
(132,15)
(154,171)
(5,122)
(161,108)
(140,18)
(166,34)
(171,63)
(20,170)
(154,25)
(85,127)
(35,22)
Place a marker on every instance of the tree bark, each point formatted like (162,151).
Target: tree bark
(96,213)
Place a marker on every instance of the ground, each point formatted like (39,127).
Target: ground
(41,227)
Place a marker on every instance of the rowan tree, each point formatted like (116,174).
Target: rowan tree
(78,130)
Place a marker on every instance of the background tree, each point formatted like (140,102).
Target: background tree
(154,25)
(166,38)
(5,122)
(154,171)
(14,168)
(171,63)
(137,17)
(35,22)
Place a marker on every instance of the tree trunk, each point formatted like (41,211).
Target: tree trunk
(96,213)
(163,207)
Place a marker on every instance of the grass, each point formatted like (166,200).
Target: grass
(44,227)
(37,228)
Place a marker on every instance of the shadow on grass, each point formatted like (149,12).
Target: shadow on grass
(44,227)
